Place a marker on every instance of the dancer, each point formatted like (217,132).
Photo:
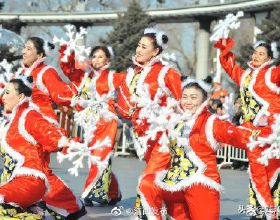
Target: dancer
(48,87)
(98,81)
(24,137)
(259,88)
(149,71)
(193,174)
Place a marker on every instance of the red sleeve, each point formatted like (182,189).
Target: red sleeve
(227,133)
(68,68)
(227,59)
(173,82)
(118,78)
(60,92)
(50,137)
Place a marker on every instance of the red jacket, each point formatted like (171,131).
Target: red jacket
(24,139)
(158,76)
(265,83)
(106,80)
(48,87)
(198,155)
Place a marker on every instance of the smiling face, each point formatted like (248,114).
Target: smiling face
(191,99)
(30,54)
(145,50)
(260,56)
(99,59)
(11,97)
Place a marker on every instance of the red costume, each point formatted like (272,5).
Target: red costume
(49,87)
(259,90)
(193,175)
(101,185)
(156,76)
(23,141)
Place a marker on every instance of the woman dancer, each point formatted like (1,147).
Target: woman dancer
(259,88)
(101,185)
(49,87)
(22,144)
(149,71)
(193,174)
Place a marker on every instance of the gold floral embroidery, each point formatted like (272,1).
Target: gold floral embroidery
(250,106)
(9,166)
(181,166)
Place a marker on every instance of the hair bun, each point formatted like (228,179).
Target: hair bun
(164,38)
(29,79)
(50,45)
(208,79)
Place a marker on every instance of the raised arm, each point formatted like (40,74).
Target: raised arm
(227,59)
(59,91)
(173,83)
(75,75)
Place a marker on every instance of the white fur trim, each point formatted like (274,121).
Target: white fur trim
(265,104)
(258,195)
(274,178)
(28,71)
(161,81)
(129,76)
(1,199)
(49,119)
(100,171)
(60,211)
(22,129)
(198,177)
(82,84)
(194,179)
(125,99)
(272,86)
(209,132)
(140,148)
(141,80)
(39,82)
(63,141)
(26,171)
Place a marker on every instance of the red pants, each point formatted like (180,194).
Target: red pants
(195,203)
(262,176)
(149,192)
(104,129)
(23,191)
(152,199)
(60,197)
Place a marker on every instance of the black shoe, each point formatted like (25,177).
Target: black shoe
(115,201)
(77,215)
(88,202)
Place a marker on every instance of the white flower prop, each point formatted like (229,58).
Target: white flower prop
(95,108)
(160,118)
(222,29)
(7,74)
(72,44)
(77,152)
(273,151)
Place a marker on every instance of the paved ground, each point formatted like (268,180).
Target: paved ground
(128,170)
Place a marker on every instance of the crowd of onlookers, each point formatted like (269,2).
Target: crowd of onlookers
(228,107)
